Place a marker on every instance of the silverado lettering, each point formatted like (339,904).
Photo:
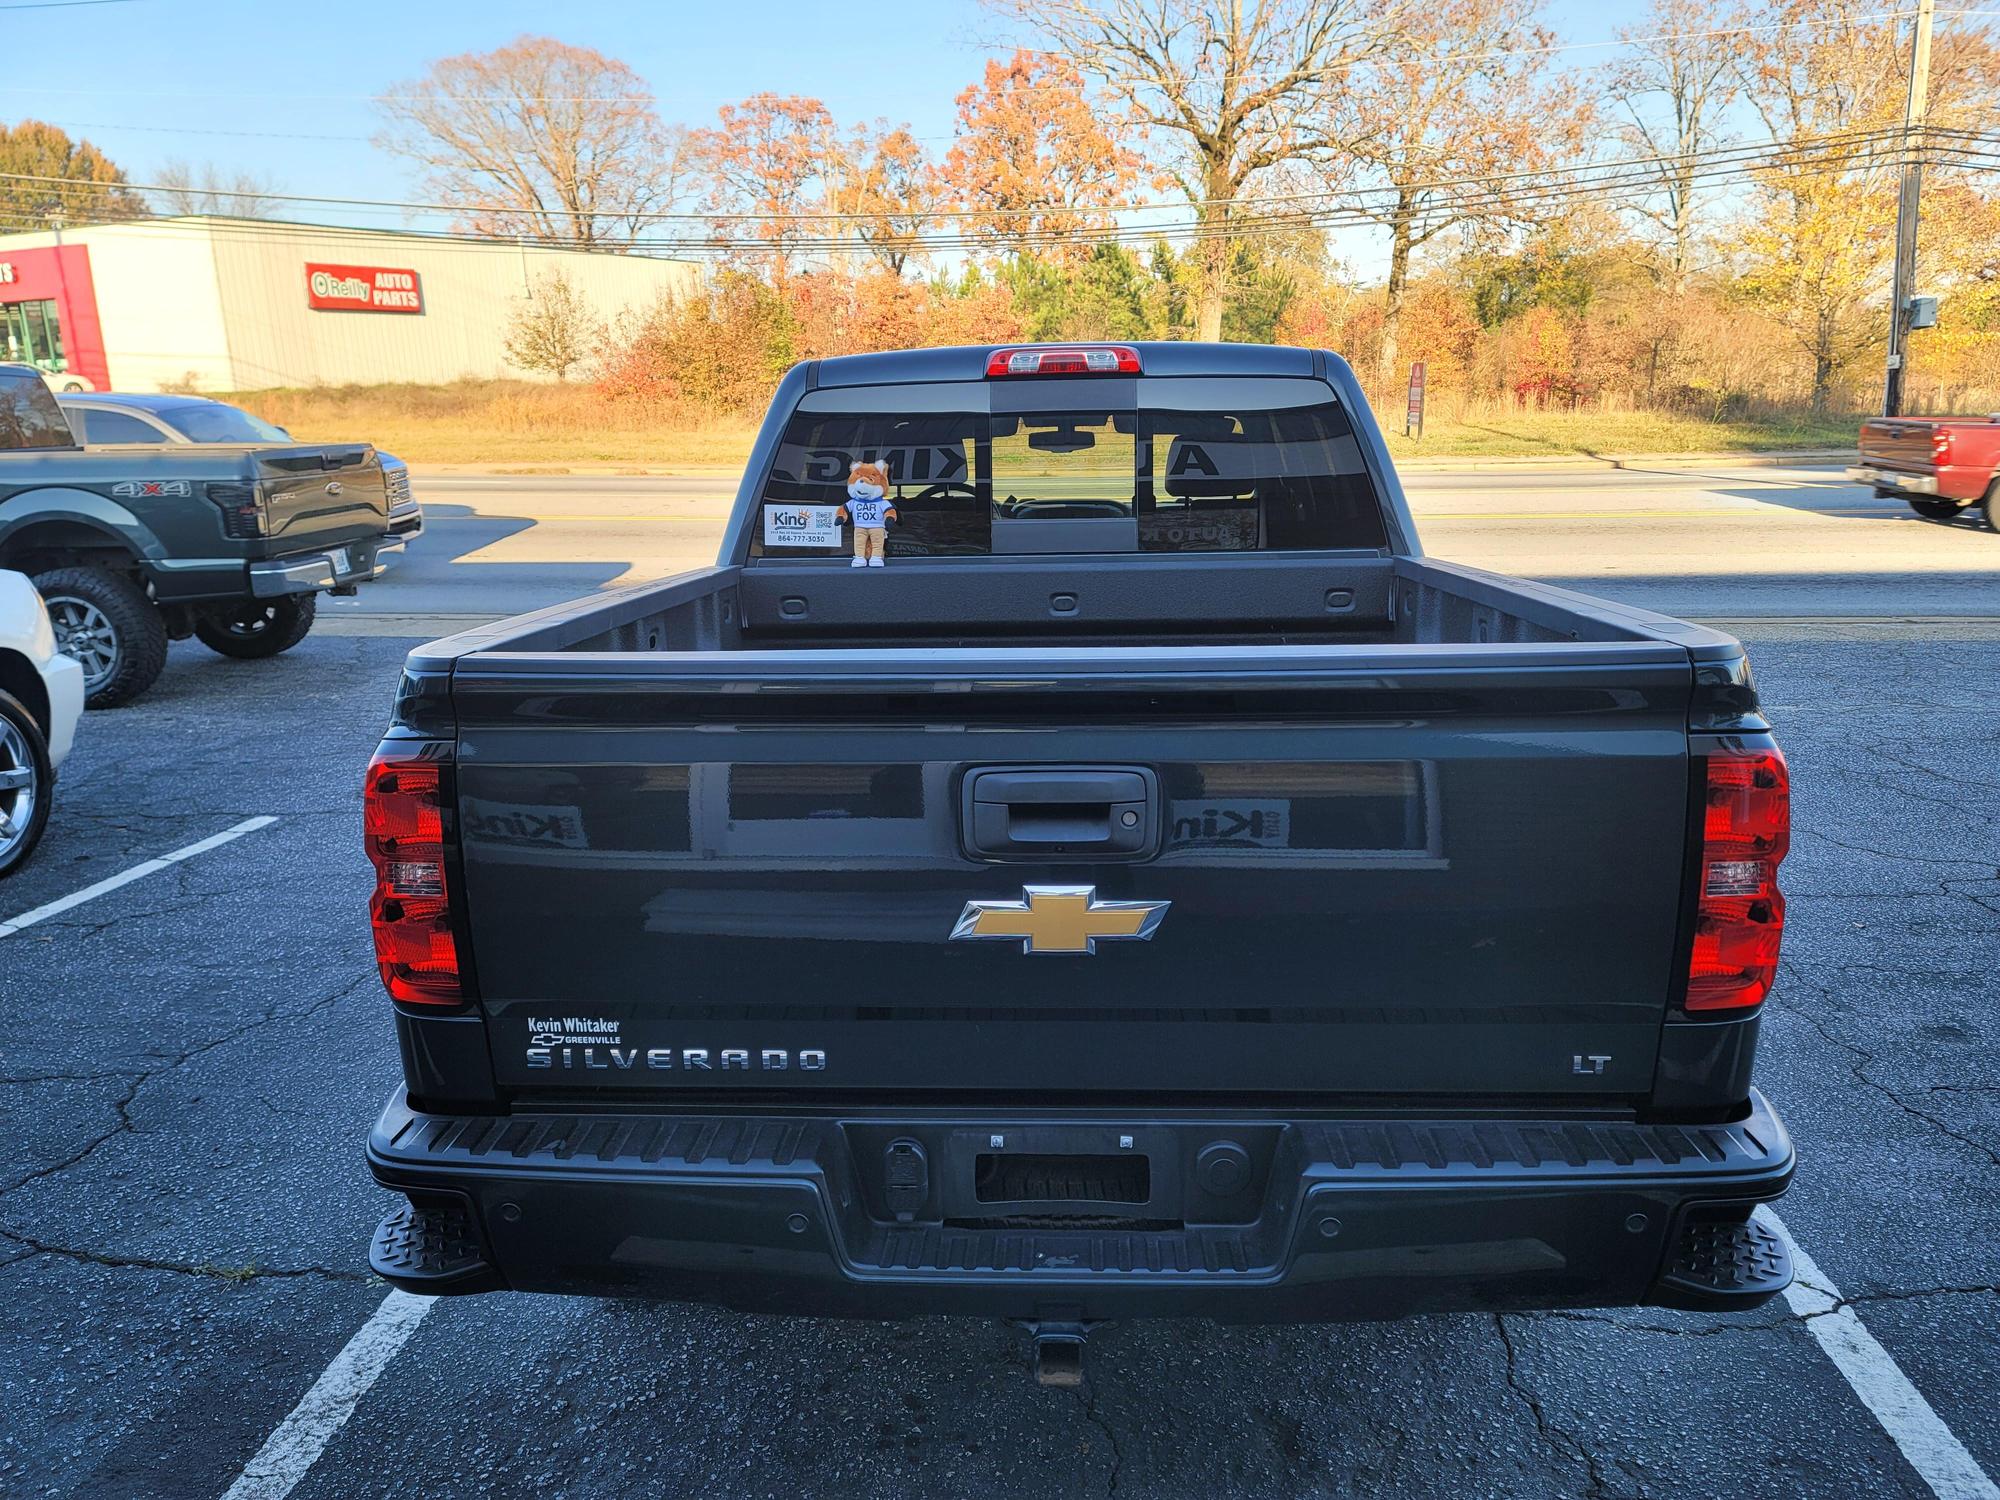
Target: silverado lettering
(660,1059)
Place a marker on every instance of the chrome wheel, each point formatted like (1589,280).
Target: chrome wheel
(85,636)
(18,789)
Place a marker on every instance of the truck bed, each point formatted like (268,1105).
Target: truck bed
(1034,604)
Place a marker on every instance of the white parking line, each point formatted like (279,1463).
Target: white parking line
(297,1442)
(1930,1446)
(138,872)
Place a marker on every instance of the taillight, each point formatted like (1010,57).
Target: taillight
(1066,359)
(244,512)
(403,824)
(1740,918)
(1941,444)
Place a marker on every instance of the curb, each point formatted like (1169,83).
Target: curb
(1461,465)
(1752,459)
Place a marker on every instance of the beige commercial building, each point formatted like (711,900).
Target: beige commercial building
(242,304)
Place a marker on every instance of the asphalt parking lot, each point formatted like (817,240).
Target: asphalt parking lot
(189,1063)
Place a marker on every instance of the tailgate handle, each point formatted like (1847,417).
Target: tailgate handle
(1074,812)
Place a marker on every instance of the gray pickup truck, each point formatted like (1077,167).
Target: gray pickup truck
(1158,889)
(135,544)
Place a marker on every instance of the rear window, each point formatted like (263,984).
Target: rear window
(29,416)
(220,424)
(1224,464)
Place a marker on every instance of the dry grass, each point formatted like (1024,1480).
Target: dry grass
(516,424)
(501,424)
(1527,433)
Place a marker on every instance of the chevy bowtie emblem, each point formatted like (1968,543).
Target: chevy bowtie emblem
(1059,919)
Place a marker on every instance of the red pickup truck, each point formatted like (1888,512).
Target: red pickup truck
(1940,465)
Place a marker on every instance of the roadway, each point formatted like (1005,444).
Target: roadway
(190,1058)
(1704,540)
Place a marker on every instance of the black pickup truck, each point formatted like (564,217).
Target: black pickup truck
(133,544)
(1159,889)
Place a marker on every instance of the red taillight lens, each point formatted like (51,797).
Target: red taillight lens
(1069,359)
(1941,444)
(1740,918)
(403,824)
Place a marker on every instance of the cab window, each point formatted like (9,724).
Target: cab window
(29,416)
(95,425)
(1223,464)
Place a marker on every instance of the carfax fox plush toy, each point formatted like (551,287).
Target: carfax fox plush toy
(869,508)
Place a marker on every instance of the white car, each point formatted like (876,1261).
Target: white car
(41,698)
(66,382)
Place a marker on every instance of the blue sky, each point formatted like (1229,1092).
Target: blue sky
(282,88)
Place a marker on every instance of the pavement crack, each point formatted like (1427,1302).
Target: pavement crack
(1086,1398)
(1666,1330)
(66,1077)
(1559,1438)
(1908,859)
(1740,1325)
(1951,778)
(30,1246)
(122,1106)
(1865,1058)
(1913,1294)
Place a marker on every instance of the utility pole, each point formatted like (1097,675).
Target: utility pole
(1906,209)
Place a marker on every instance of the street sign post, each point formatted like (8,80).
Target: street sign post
(1413,419)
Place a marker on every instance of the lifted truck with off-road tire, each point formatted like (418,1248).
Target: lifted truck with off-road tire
(1158,890)
(135,546)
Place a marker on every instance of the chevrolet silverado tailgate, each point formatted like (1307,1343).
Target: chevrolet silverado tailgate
(1360,870)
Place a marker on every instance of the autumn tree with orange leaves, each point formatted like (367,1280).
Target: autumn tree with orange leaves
(1038,157)
(1445,126)
(773,157)
(1824,78)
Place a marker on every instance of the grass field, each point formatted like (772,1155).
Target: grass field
(518,425)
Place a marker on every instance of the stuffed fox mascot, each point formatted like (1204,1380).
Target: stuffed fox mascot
(868,507)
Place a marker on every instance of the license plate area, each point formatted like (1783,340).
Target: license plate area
(1052,1181)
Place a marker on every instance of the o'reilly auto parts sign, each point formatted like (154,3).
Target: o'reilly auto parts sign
(378,289)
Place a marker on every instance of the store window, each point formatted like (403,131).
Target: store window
(30,335)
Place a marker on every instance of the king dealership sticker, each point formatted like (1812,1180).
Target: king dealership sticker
(801,526)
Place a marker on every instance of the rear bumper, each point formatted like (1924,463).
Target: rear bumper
(62,680)
(1336,1218)
(1965,483)
(316,572)
(1894,479)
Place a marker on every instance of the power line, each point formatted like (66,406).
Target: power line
(255,135)
(1620,188)
(1744,150)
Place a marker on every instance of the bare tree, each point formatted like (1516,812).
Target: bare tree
(184,189)
(1674,87)
(1240,88)
(1446,122)
(538,139)
(553,329)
